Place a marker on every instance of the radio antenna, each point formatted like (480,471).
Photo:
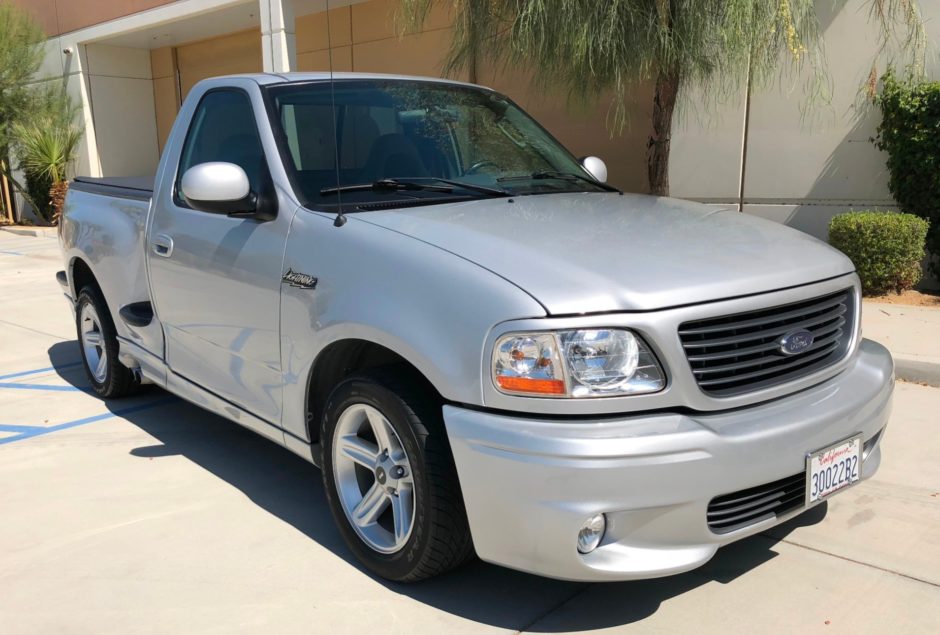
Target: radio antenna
(340,219)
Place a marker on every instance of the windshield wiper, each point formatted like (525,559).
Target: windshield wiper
(386,185)
(564,176)
(411,183)
(482,189)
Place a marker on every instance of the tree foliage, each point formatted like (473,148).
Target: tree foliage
(21,54)
(36,121)
(716,46)
(910,133)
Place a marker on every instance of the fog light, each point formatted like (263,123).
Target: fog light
(591,533)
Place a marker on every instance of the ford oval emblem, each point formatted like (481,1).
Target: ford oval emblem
(796,342)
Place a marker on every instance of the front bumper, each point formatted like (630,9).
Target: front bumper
(529,483)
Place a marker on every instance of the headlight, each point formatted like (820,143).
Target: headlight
(582,363)
(529,364)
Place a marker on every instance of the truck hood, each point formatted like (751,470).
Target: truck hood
(594,252)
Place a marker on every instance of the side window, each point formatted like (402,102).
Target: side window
(223,129)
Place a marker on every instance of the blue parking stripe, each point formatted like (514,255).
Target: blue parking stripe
(45,387)
(11,253)
(5,427)
(36,371)
(35,431)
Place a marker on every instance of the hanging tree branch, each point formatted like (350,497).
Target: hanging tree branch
(590,48)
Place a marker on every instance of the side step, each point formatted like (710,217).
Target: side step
(137,314)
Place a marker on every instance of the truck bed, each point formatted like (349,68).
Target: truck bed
(135,187)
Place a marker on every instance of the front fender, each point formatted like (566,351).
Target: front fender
(427,305)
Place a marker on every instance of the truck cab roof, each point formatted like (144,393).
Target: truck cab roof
(266,79)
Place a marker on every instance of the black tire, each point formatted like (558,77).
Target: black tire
(118,380)
(440,538)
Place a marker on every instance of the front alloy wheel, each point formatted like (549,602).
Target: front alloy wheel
(389,476)
(373,478)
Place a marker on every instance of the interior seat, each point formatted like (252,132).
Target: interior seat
(393,156)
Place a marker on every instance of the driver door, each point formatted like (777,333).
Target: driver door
(215,279)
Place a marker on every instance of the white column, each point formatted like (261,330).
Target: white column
(76,73)
(278,39)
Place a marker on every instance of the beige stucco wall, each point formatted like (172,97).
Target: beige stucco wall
(236,53)
(166,97)
(62,16)
(364,38)
(177,69)
(804,163)
(122,105)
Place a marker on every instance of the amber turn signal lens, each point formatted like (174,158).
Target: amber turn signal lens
(525,384)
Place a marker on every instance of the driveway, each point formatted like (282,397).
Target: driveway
(151,515)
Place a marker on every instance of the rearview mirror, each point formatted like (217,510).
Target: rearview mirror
(219,188)
(595,167)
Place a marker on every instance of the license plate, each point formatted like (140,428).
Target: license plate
(832,469)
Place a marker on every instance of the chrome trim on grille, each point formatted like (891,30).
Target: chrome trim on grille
(736,354)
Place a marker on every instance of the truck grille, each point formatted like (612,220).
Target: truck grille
(740,353)
(740,509)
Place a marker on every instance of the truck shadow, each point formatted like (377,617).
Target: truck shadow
(288,487)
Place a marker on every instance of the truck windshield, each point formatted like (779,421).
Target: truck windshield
(411,139)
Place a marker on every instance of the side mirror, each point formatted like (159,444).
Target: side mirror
(218,188)
(595,167)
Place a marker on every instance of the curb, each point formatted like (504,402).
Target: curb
(36,232)
(918,370)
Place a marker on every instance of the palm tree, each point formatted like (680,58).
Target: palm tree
(46,145)
(715,46)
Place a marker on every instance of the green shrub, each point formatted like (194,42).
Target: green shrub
(886,248)
(910,134)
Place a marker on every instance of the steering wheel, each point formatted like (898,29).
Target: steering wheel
(479,165)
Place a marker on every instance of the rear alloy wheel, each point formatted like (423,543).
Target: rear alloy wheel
(390,478)
(96,357)
(99,347)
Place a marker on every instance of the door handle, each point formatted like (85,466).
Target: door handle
(162,245)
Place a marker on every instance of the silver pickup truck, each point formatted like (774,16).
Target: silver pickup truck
(485,348)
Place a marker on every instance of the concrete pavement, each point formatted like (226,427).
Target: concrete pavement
(911,333)
(150,515)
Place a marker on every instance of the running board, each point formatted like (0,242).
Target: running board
(137,314)
(155,370)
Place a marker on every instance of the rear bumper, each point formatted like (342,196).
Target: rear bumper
(529,484)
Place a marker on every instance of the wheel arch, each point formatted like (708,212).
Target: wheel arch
(81,275)
(343,358)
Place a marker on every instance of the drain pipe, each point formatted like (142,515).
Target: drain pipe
(744,137)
